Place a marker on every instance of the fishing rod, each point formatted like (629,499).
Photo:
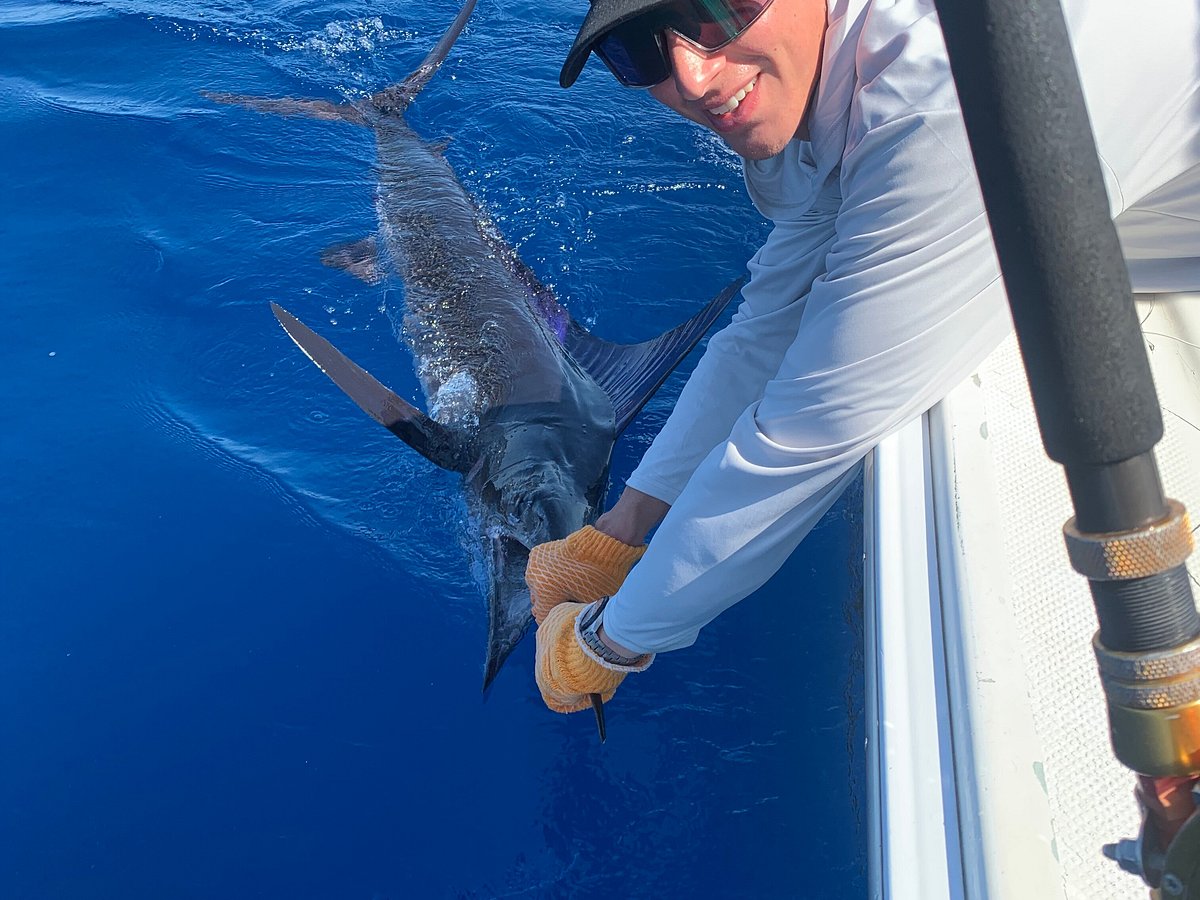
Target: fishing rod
(1097,409)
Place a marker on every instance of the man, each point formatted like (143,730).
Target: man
(876,292)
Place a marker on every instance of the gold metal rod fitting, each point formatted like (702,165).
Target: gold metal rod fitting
(1123,555)
(1157,742)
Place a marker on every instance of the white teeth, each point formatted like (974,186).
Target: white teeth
(732,103)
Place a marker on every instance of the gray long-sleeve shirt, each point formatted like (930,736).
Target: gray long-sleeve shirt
(878,290)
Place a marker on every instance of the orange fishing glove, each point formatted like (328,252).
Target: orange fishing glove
(566,671)
(584,566)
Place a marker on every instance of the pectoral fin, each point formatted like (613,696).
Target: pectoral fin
(440,445)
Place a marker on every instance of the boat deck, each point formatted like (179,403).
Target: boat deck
(992,682)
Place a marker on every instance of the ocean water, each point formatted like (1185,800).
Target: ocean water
(241,643)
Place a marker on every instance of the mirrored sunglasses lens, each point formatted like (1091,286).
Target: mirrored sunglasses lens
(714,23)
(634,55)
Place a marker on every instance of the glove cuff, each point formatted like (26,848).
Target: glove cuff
(598,548)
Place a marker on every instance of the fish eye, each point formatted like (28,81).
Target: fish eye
(521,511)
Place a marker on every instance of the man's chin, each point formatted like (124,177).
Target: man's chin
(757,154)
(755,150)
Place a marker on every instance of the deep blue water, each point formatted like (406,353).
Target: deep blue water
(240,642)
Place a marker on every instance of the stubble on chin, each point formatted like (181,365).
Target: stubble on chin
(755,154)
(756,145)
(755,151)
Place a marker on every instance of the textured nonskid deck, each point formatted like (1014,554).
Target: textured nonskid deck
(1020,605)
(1004,700)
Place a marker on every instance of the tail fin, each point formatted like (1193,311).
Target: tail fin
(324,110)
(631,373)
(395,99)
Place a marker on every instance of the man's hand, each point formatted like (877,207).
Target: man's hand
(584,566)
(567,674)
(565,575)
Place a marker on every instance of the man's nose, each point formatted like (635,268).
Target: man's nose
(692,68)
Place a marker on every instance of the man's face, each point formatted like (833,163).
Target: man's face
(771,69)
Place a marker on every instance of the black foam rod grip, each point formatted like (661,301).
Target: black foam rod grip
(1063,269)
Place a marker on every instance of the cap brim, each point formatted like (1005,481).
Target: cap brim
(602,17)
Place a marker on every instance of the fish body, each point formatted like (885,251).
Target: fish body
(523,401)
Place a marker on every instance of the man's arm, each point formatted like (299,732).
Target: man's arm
(738,362)
(910,304)
(743,356)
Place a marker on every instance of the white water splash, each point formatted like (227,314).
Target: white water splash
(350,49)
(457,400)
(339,39)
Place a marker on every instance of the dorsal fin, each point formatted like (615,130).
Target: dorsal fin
(395,99)
(437,443)
(631,373)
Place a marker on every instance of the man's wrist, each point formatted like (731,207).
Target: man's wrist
(604,651)
(632,517)
(619,649)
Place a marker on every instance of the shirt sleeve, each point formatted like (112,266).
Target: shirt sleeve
(743,356)
(908,303)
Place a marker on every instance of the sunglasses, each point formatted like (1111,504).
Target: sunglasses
(636,51)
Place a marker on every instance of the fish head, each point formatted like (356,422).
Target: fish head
(541,475)
(539,509)
(534,483)
(520,506)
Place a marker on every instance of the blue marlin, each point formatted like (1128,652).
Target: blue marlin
(524,402)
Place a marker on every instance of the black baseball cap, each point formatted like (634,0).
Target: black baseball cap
(603,17)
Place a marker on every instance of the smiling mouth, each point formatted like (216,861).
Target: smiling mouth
(732,103)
